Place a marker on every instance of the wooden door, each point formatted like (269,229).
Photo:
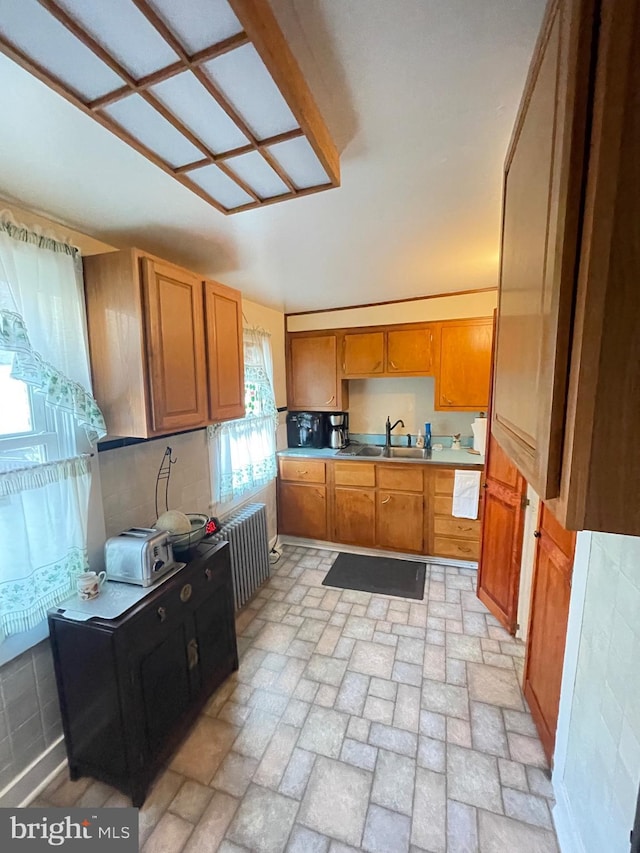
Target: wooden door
(550,595)
(400,521)
(302,510)
(312,374)
(362,353)
(465,365)
(544,176)
(225,351)
(548,617)
(410,351)
(175,346)
(502,528)
(355,516)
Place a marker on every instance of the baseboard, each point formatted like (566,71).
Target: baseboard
(27,785)
(374,552)
(568,838)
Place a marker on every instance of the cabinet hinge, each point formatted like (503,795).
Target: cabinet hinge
(524,503)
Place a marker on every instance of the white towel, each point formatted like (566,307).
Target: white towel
(466,494)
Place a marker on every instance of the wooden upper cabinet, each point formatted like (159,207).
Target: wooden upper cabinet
(410,351)
(388,351)
(225,352)
(463,377)
(146,337)
(544,174)
(166,348)
(176,346)
(312,373)
(566,392)
(362,354)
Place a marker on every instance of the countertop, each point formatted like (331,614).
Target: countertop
(459,458)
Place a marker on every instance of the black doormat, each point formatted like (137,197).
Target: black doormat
(384,575)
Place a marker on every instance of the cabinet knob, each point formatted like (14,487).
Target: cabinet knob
(447,401)
(386,500)
(302,472)
(463,549)
(393,364)
(330,400)
(467,529)
(185,592)
(485,485)
(208,574)
(536,533)
(162,613)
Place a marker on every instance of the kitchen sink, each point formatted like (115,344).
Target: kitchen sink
(370,451)
(406,453)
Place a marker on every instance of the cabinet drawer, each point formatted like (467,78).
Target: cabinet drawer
(462,549)
(354,474)
(444,483)
(302,470)
(442,505)
(400,478)
(462,528)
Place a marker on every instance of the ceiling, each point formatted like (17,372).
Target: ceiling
(420,97)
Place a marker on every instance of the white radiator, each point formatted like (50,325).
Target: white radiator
(246,532)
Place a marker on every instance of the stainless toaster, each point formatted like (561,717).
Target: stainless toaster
(140,555)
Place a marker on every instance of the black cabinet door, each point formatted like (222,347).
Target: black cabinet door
(165,686)
(215,634)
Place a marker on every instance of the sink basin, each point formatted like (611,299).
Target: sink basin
(406,453)
(370,451)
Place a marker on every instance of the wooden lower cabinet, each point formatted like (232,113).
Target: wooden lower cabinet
(302,510)
(549,613)
(451,537)
(400,521)
(388,505)
(355,516)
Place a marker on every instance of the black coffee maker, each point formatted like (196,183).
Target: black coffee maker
(306,429)
(338,429)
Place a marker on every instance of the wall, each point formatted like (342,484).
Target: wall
(408,398)
(454,307)
(29,715)
(597,766)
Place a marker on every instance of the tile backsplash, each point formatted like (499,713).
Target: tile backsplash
(409,398)
(29,713)
(602,769)
(128,476)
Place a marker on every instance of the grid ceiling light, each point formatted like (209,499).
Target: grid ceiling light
(208,90)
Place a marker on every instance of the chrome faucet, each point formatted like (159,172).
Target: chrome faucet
(389,427)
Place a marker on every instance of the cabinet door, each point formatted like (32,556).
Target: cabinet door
(175,347)
(214,634)
(410,351)
(312,374)
(465,366)
(503,525)
(544,176)
(166,664)
(400,521)
(225,353)
(548,618)
(302,510)
(362,353)
(355,515)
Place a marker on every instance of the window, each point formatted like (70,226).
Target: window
(48,420)
(242,452)
(27,429)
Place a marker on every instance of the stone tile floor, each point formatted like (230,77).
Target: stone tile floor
(355,722)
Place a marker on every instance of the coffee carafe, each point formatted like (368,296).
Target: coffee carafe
(338,429)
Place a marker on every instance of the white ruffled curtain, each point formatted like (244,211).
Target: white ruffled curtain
(243,452)
(44,506)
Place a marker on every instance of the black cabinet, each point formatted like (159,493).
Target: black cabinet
(131,687)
